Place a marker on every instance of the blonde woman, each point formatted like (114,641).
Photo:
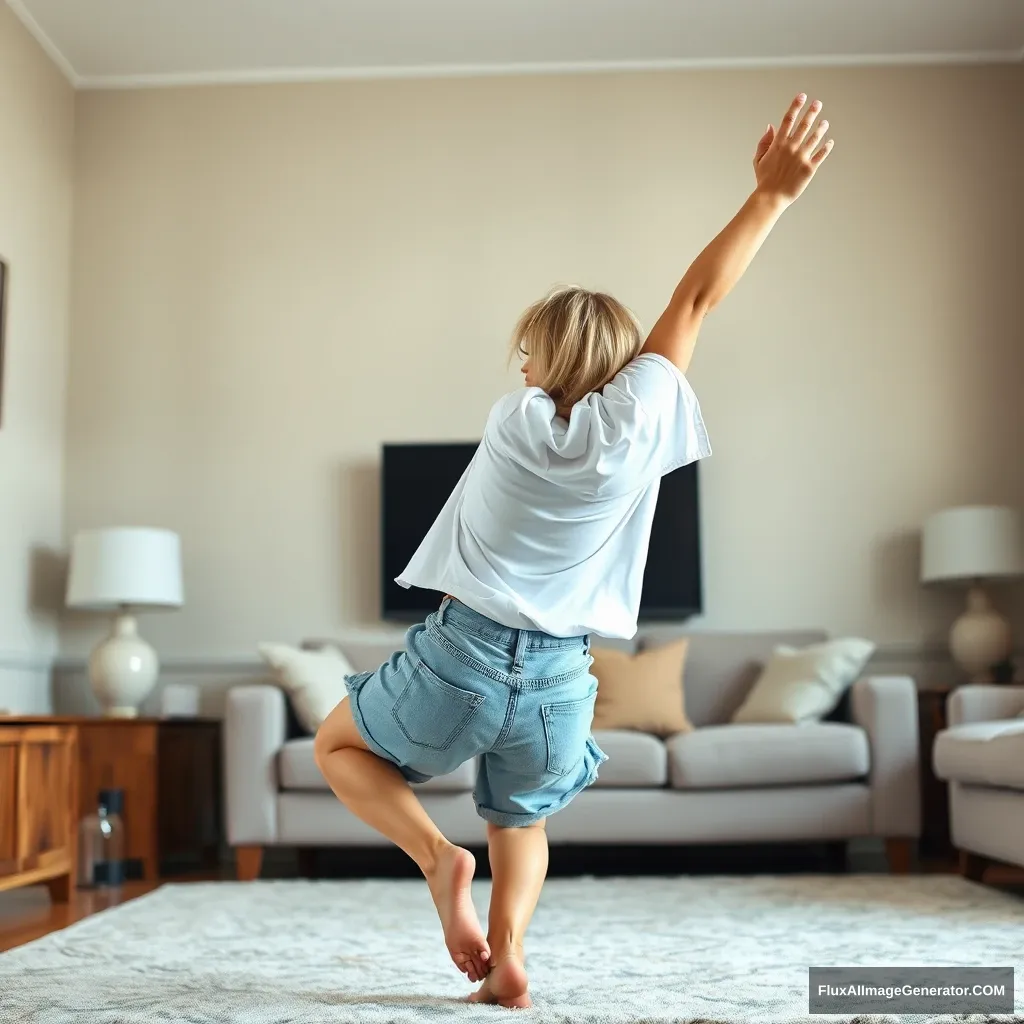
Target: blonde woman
(542,542)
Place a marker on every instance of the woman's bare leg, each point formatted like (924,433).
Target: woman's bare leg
(519,865)
(376,792)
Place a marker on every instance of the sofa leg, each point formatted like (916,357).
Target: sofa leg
(972,866)
(248,860)
(900,854)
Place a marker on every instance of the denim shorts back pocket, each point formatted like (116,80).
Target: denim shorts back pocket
(567,730)
(432,713)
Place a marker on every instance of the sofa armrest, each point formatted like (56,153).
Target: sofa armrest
(980,702)
(885,707)
(254,732)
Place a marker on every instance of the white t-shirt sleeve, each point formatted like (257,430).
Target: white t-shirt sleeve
(648,421)
(643,424)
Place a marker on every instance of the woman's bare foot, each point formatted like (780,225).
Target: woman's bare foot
(449,884)
(506,985)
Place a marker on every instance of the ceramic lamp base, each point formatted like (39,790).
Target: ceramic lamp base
(123,669)
(981,638)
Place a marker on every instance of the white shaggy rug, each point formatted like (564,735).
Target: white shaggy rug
(600,950)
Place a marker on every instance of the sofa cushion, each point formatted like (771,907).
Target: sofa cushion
(803,684)
(314,680)
(641,691)
(297,770)
(634,759)
(983,753)
(722,667)
(735,756)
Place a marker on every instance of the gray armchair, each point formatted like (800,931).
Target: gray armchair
(981,755)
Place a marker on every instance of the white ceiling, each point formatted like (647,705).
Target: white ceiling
(124,43)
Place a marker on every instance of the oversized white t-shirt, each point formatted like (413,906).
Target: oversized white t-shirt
(548,527)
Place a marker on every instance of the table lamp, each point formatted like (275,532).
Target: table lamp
(122,570)
(970,545)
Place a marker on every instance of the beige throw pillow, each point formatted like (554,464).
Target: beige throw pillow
(802,685)
(641,691)
(313,680)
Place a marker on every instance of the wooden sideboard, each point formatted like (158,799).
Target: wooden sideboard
(38,805)
(51,772)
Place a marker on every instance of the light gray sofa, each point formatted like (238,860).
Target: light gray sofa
(981,754)
(853,776)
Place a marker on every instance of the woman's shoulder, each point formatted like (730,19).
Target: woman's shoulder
(526,409)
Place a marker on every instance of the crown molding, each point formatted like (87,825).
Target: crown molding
(271,76)
(50,48)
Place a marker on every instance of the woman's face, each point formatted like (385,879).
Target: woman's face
(531,381)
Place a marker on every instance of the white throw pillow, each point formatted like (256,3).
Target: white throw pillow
(314,680)
(804,684)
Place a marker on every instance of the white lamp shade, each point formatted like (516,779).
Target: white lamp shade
(134,567)
(973,542)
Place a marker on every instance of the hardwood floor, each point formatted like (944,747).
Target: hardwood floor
(28,914)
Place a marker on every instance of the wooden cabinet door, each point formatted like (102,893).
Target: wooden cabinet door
(38,776)
(47,829)
(122,755)
(189,794)
(10,753)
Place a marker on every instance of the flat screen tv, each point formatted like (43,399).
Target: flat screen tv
(416,480)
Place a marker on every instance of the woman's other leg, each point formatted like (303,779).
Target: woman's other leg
(376,792)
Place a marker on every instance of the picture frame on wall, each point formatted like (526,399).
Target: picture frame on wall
(3,330)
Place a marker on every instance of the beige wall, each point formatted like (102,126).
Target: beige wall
(36,184)
(271,281)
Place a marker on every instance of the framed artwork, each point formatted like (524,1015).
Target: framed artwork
(3,322)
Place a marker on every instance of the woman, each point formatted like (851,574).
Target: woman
(543,541)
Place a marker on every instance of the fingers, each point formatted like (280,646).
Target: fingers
(818,158)
(799,133)
(814,139)
(764,144)
(789,118)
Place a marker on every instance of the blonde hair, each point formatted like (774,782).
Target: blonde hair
(576,340)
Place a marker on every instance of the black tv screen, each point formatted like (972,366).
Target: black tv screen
(417,479)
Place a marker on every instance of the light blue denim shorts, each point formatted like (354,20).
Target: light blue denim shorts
(464,687)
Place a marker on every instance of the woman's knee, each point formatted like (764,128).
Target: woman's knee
(322,746)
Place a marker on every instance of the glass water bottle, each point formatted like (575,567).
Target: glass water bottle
(101,843)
